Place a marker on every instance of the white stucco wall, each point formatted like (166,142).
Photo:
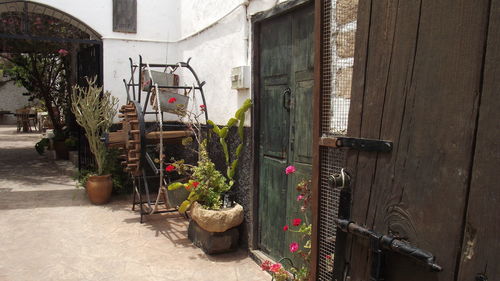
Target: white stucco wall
(214,33)
(11,98)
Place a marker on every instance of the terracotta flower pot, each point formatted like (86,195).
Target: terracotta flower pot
(99,189)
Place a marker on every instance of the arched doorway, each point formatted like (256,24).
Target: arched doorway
(33,28)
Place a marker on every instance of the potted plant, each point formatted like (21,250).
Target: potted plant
(213,225)
(94,111)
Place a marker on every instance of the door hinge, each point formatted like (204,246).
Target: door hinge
(358,144)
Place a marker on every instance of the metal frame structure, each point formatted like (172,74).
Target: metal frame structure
(139,157)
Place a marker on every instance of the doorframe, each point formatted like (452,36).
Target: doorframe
(256,22)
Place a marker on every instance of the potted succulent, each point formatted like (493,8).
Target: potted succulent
(213,225)
(94,111)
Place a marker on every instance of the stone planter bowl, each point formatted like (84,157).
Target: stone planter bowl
(217,220)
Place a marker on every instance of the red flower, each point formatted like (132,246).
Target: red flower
(290,170)
(296,222)
(170,168)
(203,107)
(195,184)
(300,197)
(328,257)
(294,246)
(172,100)
(285,228)
(275,267)
(63,52)
(266,265)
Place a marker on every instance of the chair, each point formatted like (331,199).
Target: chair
(33,119)
(25,119)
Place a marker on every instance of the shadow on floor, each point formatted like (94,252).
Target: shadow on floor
(10,200)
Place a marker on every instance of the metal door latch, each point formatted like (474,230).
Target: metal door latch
(364,144)
(380,243)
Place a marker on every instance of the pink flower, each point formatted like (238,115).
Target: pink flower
(172,100)
(203,107)
(296,222)
(266,265)
(294,246)
(290,170)
(285,228)
(300,197)
(63,52)
(275,267)
(170,168)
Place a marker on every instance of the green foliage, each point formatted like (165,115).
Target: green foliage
(237,120)
(113,166)
(71,143)
(41,145)
(206,186)
(119,177)
(45,76)
(82,176)
(94,111)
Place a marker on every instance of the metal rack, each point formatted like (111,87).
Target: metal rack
(143,144)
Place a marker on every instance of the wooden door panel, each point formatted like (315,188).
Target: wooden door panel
(302,125)
(481,247)
(272,204)
(286,61)
(274,76)
(274,132)
(417,88)
(275,40)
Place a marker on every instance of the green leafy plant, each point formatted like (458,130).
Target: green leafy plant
(41,145)
(81,176)
(206,184)
(71,143)
(94,111)
(119,177)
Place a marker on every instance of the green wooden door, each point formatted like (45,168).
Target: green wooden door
(286,89)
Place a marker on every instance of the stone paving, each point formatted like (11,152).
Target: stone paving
(50,231)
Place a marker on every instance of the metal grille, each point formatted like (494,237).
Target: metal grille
(337,65)
(331,162)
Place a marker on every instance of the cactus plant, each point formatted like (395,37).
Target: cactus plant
(94,111)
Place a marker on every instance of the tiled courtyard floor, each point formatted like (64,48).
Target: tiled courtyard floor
(50,231)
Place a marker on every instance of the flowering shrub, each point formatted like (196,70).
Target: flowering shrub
(276,269)
(303,230)
(206,184)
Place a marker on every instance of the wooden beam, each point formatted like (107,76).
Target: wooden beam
(318,66)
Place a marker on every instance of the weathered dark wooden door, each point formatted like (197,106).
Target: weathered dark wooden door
(426,77)
(286,84)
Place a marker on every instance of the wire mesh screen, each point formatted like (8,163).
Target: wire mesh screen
(339,25)
(338,58)
(331,162)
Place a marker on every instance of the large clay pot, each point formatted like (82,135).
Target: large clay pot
(99,189)
(219,220)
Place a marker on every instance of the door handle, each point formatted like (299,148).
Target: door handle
(286,98)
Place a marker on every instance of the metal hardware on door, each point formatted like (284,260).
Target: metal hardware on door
(286,98)
(340,180)
(364,144)
(481,277)
(380,243)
